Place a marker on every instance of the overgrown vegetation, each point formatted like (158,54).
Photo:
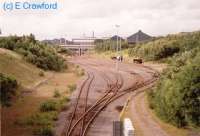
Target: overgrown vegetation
(48,106)
(79,71)
(44,118)
(63,50)
(72,87)
(41,74)
(8,86)
(41,55)
(56,93)
(44,131)
(109,45)
(165,47)
(176,97)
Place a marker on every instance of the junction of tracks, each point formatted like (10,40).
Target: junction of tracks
(92,109)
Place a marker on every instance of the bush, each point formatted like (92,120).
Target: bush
(39,119)
(64,51)
(8,87)
(79,71)
(82,72)
(43,120)
(48,106)
(44,131)
(41,73)
(166,52)
(72,87)
(62,103)
(56,93)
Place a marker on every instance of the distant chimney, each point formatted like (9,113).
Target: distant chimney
(93,34)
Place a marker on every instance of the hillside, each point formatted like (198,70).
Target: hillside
(13,64)
(20,105)
(166,47)
(35,52)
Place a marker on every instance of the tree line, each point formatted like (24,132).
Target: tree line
(33,51)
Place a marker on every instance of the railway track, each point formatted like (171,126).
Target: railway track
(106,78)
(78,108)
(105,100)
(92,112)
(80,125)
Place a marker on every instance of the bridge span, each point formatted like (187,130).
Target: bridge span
(78,48)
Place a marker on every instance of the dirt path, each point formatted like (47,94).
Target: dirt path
(142,117)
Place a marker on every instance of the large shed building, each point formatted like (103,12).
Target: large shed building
(138,38)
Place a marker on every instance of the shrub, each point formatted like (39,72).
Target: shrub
(49,105)
(72,87)
(65,99)
(38,119)
(79,71)
(166,52)
(8,87)
(41,73)
(43,120)
(62,103)
(82,72)
(64,51)
(44,131)
(56,93)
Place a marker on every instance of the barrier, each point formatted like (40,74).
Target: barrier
(128,127)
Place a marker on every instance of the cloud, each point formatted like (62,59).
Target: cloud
(76,17)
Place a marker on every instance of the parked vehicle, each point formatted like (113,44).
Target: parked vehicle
(137,60)
(113,58)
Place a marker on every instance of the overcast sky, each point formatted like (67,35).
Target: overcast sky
(74,18)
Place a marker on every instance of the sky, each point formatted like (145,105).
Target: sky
(77,18)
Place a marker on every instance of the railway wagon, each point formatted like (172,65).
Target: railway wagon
(138,61)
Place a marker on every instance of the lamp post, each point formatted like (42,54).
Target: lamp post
(117,63)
